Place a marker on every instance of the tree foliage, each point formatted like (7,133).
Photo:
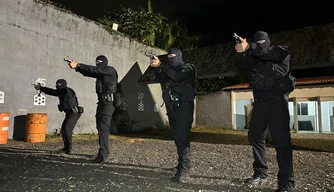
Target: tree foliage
(150,28)
(217,84)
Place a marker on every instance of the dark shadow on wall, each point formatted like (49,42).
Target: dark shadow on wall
(19,127)
(137,111)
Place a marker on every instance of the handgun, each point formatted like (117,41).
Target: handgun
(236,38)
(67,60)
(150,55)
(33,84)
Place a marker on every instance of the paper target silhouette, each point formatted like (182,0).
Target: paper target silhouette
(156,108)
(39,99)
(141,106)
(123,105)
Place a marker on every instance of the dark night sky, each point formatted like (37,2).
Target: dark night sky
(216,20)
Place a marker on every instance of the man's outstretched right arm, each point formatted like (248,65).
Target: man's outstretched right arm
(86,70)
(49,91)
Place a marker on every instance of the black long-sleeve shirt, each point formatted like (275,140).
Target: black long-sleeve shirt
(267,63)
(56,93)
(66,96)
(166,73)
(273,53)
(182,77)
(94,71)
(106,77)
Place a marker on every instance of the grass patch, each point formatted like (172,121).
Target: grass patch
(216,135)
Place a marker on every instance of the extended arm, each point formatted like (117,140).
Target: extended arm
(93,71)
(49,91)
(274,54)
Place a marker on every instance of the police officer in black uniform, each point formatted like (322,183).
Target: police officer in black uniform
(271,84)
(106,87)
(178,87)
(68,103)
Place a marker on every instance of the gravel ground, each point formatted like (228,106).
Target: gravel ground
(138,164)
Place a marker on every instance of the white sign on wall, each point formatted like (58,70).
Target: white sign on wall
(39,98)
(141,106)
(2,97)
(140,96)
(156,108)
(41,81)
(123,105)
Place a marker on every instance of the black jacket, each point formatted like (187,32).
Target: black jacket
(106,77)
(269,65)
(67,97)
(181,79)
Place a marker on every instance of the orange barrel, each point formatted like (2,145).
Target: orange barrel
(36,127)
(4,122)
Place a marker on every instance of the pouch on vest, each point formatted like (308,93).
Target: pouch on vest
(165,95)
(175,97)
(287,84)
(80,109)
(117,99)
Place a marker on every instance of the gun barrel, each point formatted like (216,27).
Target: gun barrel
(236,37)
(149,54)
(67,60)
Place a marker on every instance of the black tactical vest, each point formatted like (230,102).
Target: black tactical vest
(106,84)
(185,90)
(66,103)
(270,79)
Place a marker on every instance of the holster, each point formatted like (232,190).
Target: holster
(108,98)
(78,109)
(75,110)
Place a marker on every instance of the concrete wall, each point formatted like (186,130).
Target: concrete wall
(214,110)
(34,40)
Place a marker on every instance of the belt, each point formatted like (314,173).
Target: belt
(107,98)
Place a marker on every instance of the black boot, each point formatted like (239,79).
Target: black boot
(255,179)
(283,190)
(180,176)
(99,159)
(64,150)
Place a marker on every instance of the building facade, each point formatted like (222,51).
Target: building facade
(311,105)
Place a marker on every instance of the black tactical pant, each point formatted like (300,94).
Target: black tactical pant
(180,120)
(67,127)
(103,116)
(273,114)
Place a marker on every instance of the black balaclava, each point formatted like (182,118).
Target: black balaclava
(103,59)
(177,60)
(62,82)
(261,35)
